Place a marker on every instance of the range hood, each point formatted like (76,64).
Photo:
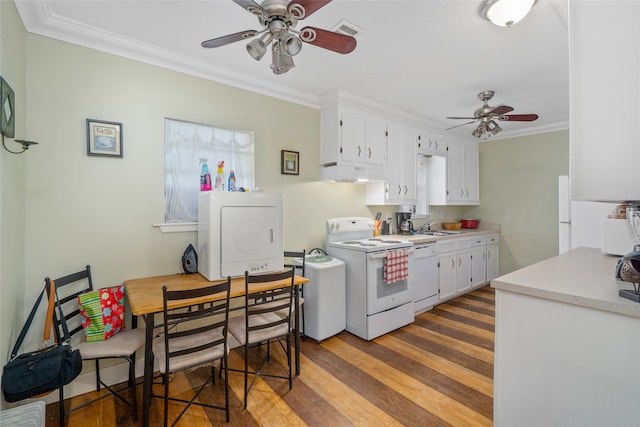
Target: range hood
(343,173)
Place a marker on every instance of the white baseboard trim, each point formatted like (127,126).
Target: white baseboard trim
(86,381)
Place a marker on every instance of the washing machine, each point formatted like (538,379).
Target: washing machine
(324,296)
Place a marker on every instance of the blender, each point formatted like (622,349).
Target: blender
(628,268)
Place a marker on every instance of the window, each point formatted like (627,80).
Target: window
(185,144)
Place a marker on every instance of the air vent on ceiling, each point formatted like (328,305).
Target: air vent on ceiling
(347,28)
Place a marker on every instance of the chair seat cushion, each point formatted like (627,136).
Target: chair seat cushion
(285,311)
(178,363)
(237,328)
(122,344)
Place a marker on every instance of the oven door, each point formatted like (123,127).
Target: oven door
(381,295)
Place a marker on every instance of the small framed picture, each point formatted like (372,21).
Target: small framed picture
(104,138)
(290,162)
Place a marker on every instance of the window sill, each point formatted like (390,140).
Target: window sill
(177,227)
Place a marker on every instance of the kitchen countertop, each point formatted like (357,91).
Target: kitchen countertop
(424,238)
(583,277)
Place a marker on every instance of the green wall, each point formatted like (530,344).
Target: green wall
(12,185)
(520,176)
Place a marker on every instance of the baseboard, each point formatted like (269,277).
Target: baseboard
(86,381)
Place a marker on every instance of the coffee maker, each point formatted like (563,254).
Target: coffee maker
(403,220)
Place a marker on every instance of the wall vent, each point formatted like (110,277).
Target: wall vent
(345,27)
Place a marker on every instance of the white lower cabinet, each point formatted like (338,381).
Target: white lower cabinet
(454,267)
(493,256)
(478,261)
(465,263)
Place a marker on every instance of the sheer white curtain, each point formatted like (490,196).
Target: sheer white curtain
(185,144)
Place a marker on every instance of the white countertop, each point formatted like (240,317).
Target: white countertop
(424,238)
(583,277)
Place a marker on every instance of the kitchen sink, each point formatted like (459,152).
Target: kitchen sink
(439,232)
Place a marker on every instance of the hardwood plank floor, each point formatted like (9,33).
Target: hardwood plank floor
(437,371)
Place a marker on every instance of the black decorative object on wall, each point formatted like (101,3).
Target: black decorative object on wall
(8,126)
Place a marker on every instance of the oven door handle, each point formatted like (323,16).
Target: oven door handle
(381,255)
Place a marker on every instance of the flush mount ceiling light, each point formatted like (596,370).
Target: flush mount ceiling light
(505,13)
(279,19)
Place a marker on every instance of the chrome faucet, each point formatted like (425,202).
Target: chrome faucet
(429,225)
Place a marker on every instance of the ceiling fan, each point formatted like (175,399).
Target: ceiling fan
(279,19)
(487,116)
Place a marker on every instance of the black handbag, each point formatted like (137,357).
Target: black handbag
(45,370)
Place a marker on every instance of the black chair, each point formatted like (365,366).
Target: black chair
(261,322)
(123,345)
(289,262)
(194,336)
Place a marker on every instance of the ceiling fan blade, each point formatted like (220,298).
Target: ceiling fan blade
(230,38)
(466,118)
(501,109)
(252,7)
(301,9)
(464,124)
(518,117)
(340,43)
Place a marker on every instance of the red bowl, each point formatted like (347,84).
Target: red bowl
(470,222)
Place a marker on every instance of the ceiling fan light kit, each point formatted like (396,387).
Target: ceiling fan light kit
(505,13)
(279,19)
(487,116)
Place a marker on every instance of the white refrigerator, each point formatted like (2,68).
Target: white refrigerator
(579,222)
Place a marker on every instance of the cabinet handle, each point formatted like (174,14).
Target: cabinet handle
(467,193)
(488,254)
(369,152)
(453,263)
(461,192)
(406,190)
(359,151)
(399,190)
(430,142)
(459,261)
(436,145)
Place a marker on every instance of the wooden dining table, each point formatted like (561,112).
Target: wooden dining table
(145,299)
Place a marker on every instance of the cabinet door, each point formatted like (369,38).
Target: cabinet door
(478,266)
(463,270)
(605,70)
(394,162)
(408,167)
(353,134)
(455,173)
(493,264)
(471,175)
(375,141)
(447,275)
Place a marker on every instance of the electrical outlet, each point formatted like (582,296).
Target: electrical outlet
(507,216)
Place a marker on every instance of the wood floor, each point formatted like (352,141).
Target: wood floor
(437,371)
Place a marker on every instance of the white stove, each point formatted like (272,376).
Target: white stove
(374,307)
(372,244)
(356,233)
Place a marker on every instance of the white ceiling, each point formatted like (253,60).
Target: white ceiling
(429,58)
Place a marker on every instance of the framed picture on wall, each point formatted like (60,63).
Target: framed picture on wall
(104,138)
(290,162)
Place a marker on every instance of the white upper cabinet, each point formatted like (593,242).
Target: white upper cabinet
(400,189)
(430,145)
(605,76)
(456,181)
(353,137)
